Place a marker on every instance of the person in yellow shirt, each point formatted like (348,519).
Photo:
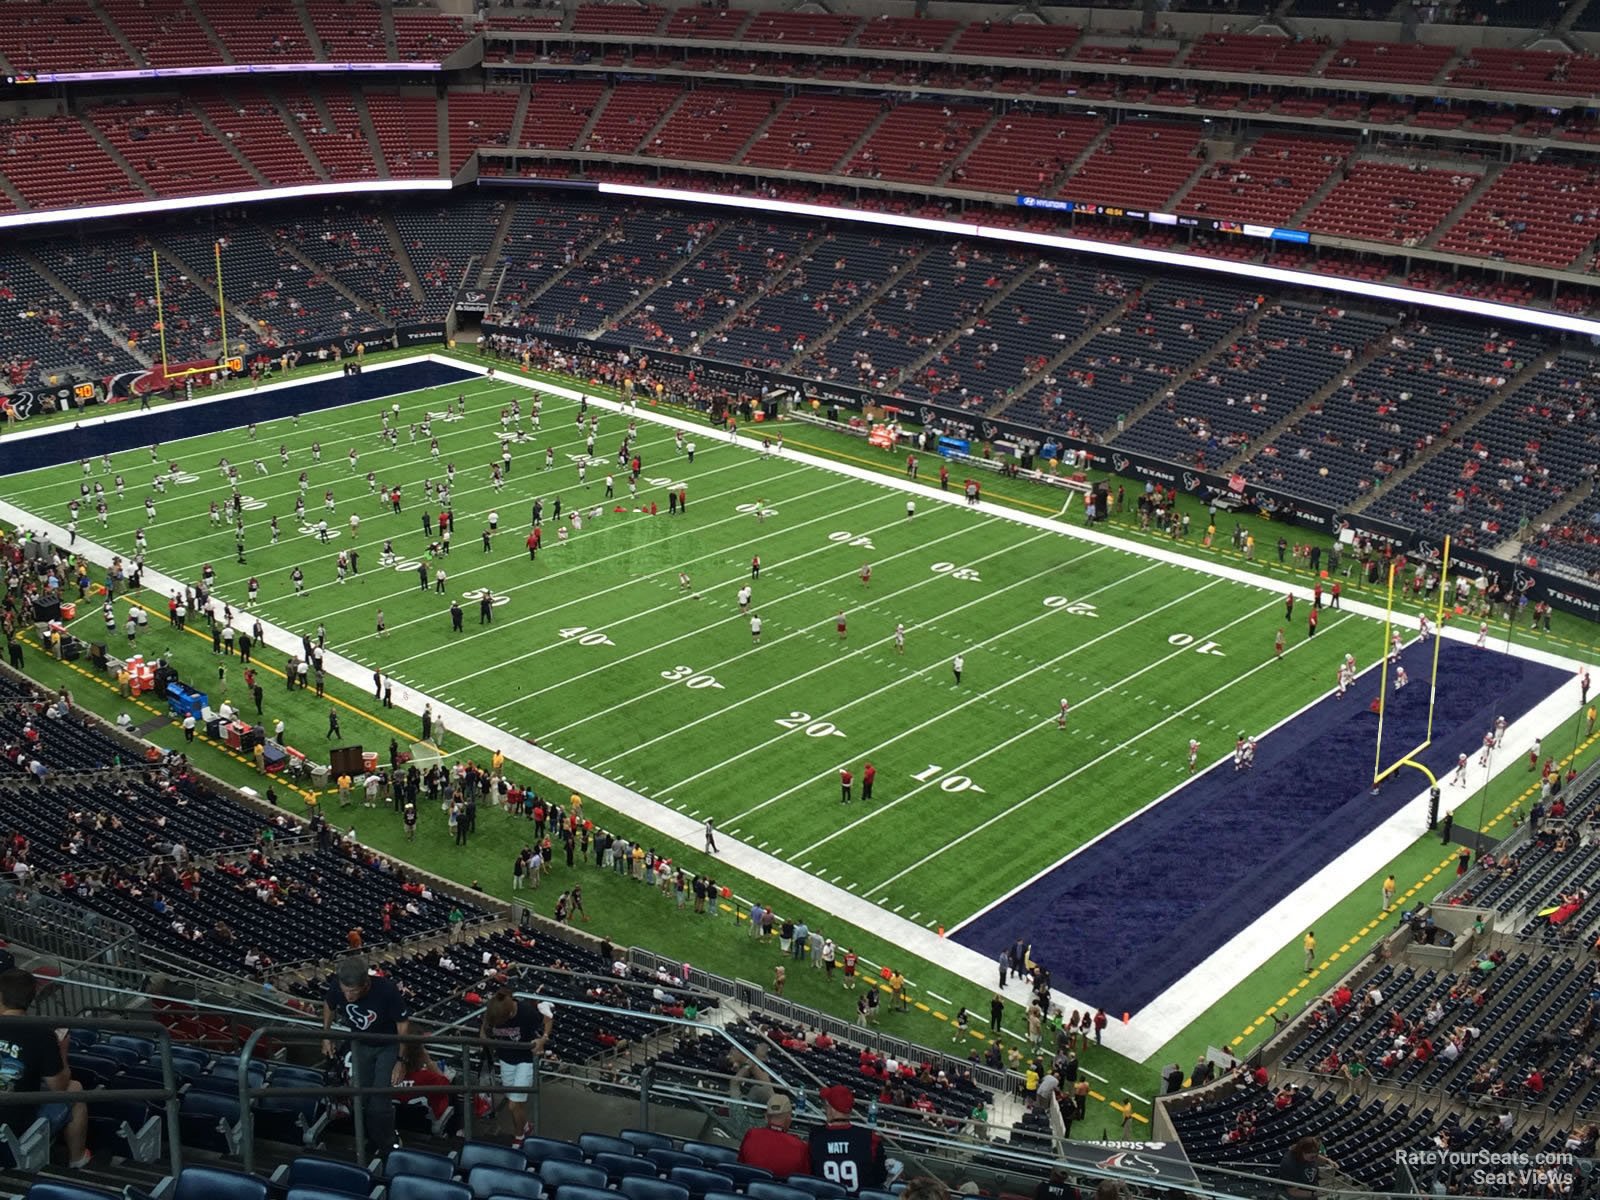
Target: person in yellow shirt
(1590,714)
(344,791)
(575,807)
(1310,944)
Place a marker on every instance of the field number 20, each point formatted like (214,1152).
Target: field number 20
(802,720)
(687,677)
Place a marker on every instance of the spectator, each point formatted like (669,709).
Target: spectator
(523,1029)
(34,1059)
(772,1147)
(1300,1167)
(373,1005)
(844,1151)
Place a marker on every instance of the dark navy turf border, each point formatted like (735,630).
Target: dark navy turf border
(1131,915)
(92,438)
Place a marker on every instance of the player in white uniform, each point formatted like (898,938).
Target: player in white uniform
(899,639)
(1400,678)
(1061,717)
(1194,753)
(1424,626)
(744,598)
(1499,730)
(1394,643)
(1488,745)
(1460,779)
(1483,635)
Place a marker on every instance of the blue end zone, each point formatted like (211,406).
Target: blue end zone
(1132,914)
(171,422)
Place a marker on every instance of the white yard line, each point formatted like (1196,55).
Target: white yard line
(754,650)
(832,517)
(873,751)
(732,618)
(1150,1029)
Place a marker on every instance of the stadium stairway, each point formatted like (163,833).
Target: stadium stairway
(769,284)
(1068,350)
(358,101)
(491,270)
(1072,168)
(966,151)
(287,246)
(82,306)
(117,157)
(1195,370)
(199,114)
(911,368)
(1385,486)
(313,39)
(856,147)
(121,38)
(1491,174)
(205,280)
(668,277)
(844,320)
(206,27)
(402,256)
(1370,353)
(298,136)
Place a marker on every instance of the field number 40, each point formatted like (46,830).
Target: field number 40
(950,783)
(587,636)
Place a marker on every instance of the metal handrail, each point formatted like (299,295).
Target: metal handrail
(166,1095)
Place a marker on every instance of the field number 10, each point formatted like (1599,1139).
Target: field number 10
(950,783)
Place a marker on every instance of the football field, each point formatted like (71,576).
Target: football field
(622,646)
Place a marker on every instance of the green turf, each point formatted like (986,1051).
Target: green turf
(601,654)
(721,750)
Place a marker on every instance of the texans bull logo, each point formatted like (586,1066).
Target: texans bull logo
(1120,462)
(1191,481)
(1127,1160)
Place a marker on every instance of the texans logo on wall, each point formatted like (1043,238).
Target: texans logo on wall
(1120,462)
(1191,481)
(925,415)
(990,431)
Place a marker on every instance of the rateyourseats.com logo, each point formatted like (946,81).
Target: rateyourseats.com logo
(1505,1173)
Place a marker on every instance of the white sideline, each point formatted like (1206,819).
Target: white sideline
(1148,1030)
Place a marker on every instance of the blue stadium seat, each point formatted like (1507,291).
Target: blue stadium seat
(498,1181)
(423,1187)
(418,1162)
(637,1187)
(311,1193)
(487,1154)
(209,1121)
(622,1166)
(711,1152)
(538,1149)
(764,1190)
(217,1183)
(666,1159)
(699,1182)
(577,1191)
(743,1174)
(869,1194)
(324,1174)
(644,1139)
(561,1174)
(598,1143)
(51,1189)
(823,1189)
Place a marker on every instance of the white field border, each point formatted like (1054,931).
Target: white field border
(1146,1033)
